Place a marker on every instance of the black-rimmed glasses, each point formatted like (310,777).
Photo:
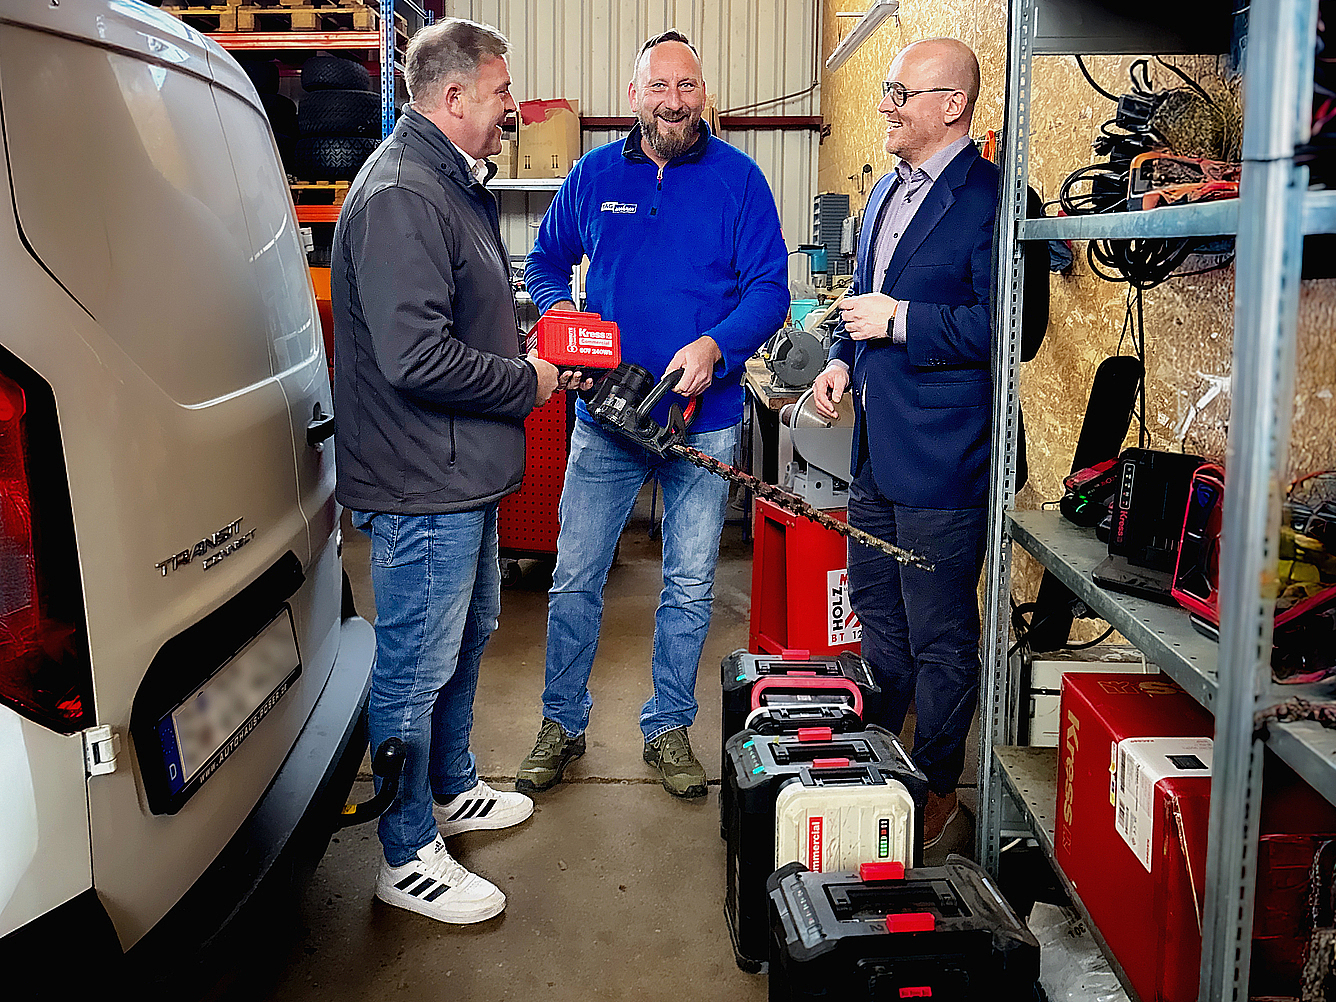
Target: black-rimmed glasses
(900,93)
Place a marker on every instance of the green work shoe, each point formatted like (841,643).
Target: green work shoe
(681,772)
(542,767)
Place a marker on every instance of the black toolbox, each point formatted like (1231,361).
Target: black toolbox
(740,671)
(757,767)
(799,691)
(942,933)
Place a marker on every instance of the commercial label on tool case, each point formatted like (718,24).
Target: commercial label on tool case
(841,622)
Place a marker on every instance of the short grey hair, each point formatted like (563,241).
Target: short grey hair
(450,51)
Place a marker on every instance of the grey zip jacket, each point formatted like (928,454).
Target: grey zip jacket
(430,391)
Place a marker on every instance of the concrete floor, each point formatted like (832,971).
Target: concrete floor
(615,890)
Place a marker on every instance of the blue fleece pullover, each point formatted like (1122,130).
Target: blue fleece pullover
(695,249)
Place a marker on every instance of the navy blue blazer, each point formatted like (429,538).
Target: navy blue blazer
(923,410)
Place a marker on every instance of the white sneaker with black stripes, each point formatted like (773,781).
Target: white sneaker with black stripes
(482,808)
(436,886)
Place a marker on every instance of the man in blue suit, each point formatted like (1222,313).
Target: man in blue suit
(915,346)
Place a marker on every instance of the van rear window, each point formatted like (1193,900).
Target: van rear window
(126,191)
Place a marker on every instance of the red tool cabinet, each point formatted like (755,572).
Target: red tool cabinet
(800,592)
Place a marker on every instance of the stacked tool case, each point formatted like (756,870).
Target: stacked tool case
(842,799)
(741,671)
(779,694)
(942,933)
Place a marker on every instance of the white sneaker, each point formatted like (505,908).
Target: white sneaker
(436,886)
(483,808)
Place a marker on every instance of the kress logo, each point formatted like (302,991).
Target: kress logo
(1071,741)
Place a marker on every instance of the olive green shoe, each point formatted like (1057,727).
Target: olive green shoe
(679,769)
(552,752)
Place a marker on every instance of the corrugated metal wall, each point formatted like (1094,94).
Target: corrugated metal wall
(752,53)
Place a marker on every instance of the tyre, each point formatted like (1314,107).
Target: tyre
(339,113)
(334,73)
(332,158)
(282,113)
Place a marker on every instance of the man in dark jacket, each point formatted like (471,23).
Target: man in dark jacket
(431,398)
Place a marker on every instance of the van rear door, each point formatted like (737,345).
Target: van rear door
(178,434)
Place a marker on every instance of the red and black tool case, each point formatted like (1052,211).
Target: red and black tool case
(741,671)
(789,691)
(758,766)
(942,933)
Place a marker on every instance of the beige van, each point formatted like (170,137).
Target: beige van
(180,681)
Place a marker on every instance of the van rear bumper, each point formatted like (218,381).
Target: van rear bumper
(272,853)
(289,829)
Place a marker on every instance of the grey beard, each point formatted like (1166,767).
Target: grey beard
(666,144)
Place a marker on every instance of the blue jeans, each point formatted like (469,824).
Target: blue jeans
(603,476)
(437,581)
(920,628)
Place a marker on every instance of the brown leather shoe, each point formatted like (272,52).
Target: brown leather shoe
(938,813)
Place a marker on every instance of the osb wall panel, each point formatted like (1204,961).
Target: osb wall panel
(850,95)
(1189,321)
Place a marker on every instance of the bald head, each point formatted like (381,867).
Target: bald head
(942,62)
(930,92)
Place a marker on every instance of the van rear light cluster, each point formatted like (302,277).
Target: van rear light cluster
(44,667)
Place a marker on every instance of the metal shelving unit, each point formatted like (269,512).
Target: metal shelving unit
(1233,678)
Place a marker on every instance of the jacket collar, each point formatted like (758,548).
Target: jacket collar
(418,132)
(935,205)
(633,151)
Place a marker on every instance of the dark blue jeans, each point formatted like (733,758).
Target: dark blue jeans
(920,628)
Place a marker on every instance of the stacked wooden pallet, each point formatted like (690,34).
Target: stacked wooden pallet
(319,192)
(284,15)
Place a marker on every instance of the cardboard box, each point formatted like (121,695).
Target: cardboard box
(1045,684)
(508,160)
(711,114)
(549,138)
(1133,801)
(1146,902)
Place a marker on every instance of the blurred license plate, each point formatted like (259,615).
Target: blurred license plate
(210,724)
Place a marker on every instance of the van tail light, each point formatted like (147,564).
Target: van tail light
(44,667)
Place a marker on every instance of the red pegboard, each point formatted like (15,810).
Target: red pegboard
(527,520)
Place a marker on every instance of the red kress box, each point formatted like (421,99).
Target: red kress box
(571,340)
(1145,900)
(1133,743)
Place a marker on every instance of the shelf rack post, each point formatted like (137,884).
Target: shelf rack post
(1277,108)
(996,696)
(386,67)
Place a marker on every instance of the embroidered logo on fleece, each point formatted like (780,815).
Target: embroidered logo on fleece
(618,207)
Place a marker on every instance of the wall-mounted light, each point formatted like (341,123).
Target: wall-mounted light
(859,33)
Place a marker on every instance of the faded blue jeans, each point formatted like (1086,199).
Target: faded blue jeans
(603,476)
(437,581)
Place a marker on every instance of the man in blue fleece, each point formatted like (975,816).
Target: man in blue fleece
(685,255)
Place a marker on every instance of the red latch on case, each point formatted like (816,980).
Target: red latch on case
(911,922)
(794,654)
(829,763)
(922,992)
(815,734)
(881,871)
